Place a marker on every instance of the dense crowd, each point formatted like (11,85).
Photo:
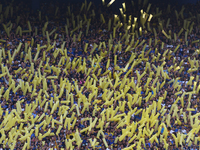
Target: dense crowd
(95,89)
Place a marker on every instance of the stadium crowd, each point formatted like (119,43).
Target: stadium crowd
(89,83)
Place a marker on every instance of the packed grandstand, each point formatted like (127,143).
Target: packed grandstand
(83,77)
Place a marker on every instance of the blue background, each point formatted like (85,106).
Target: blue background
(35,3)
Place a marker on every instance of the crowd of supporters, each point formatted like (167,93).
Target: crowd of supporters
(98,32)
